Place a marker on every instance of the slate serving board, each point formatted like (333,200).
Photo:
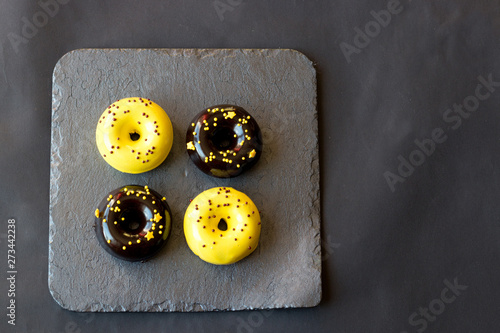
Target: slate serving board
(278,87)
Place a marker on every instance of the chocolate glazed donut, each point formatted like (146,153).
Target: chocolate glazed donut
(224,140)
(133,222)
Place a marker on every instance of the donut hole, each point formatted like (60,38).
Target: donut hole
(134,136)
(133,221)
(223,139)
(222,226)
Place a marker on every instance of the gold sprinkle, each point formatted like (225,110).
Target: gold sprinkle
(97,213)
(153,202)
(231,114)
(124,247)
(129,243)
(109,241)
(160,232)
(252,153)
(190,145)
(143,197)
(138,241)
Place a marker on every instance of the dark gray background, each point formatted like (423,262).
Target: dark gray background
(386,254)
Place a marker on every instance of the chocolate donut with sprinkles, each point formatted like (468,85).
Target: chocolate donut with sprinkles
(222,226)
(224,140)
(133,222)
(134,135)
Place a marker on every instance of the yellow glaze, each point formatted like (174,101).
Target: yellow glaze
(134,135)
(201,226)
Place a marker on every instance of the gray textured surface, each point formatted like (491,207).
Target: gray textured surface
(278,87)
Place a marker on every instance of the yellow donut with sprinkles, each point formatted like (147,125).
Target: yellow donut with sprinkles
(222,226)
(134,135)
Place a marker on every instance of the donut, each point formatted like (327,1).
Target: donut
(222,226)
(224,140)
(134,135)
(133,222)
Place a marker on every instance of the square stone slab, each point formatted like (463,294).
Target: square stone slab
(278,87)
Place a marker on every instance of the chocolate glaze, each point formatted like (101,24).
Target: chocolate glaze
(224,140)
(140,226)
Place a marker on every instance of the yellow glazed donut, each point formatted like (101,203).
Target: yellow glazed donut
(134,135)
(222,226)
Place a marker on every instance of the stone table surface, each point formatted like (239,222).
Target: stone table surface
(278,87)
